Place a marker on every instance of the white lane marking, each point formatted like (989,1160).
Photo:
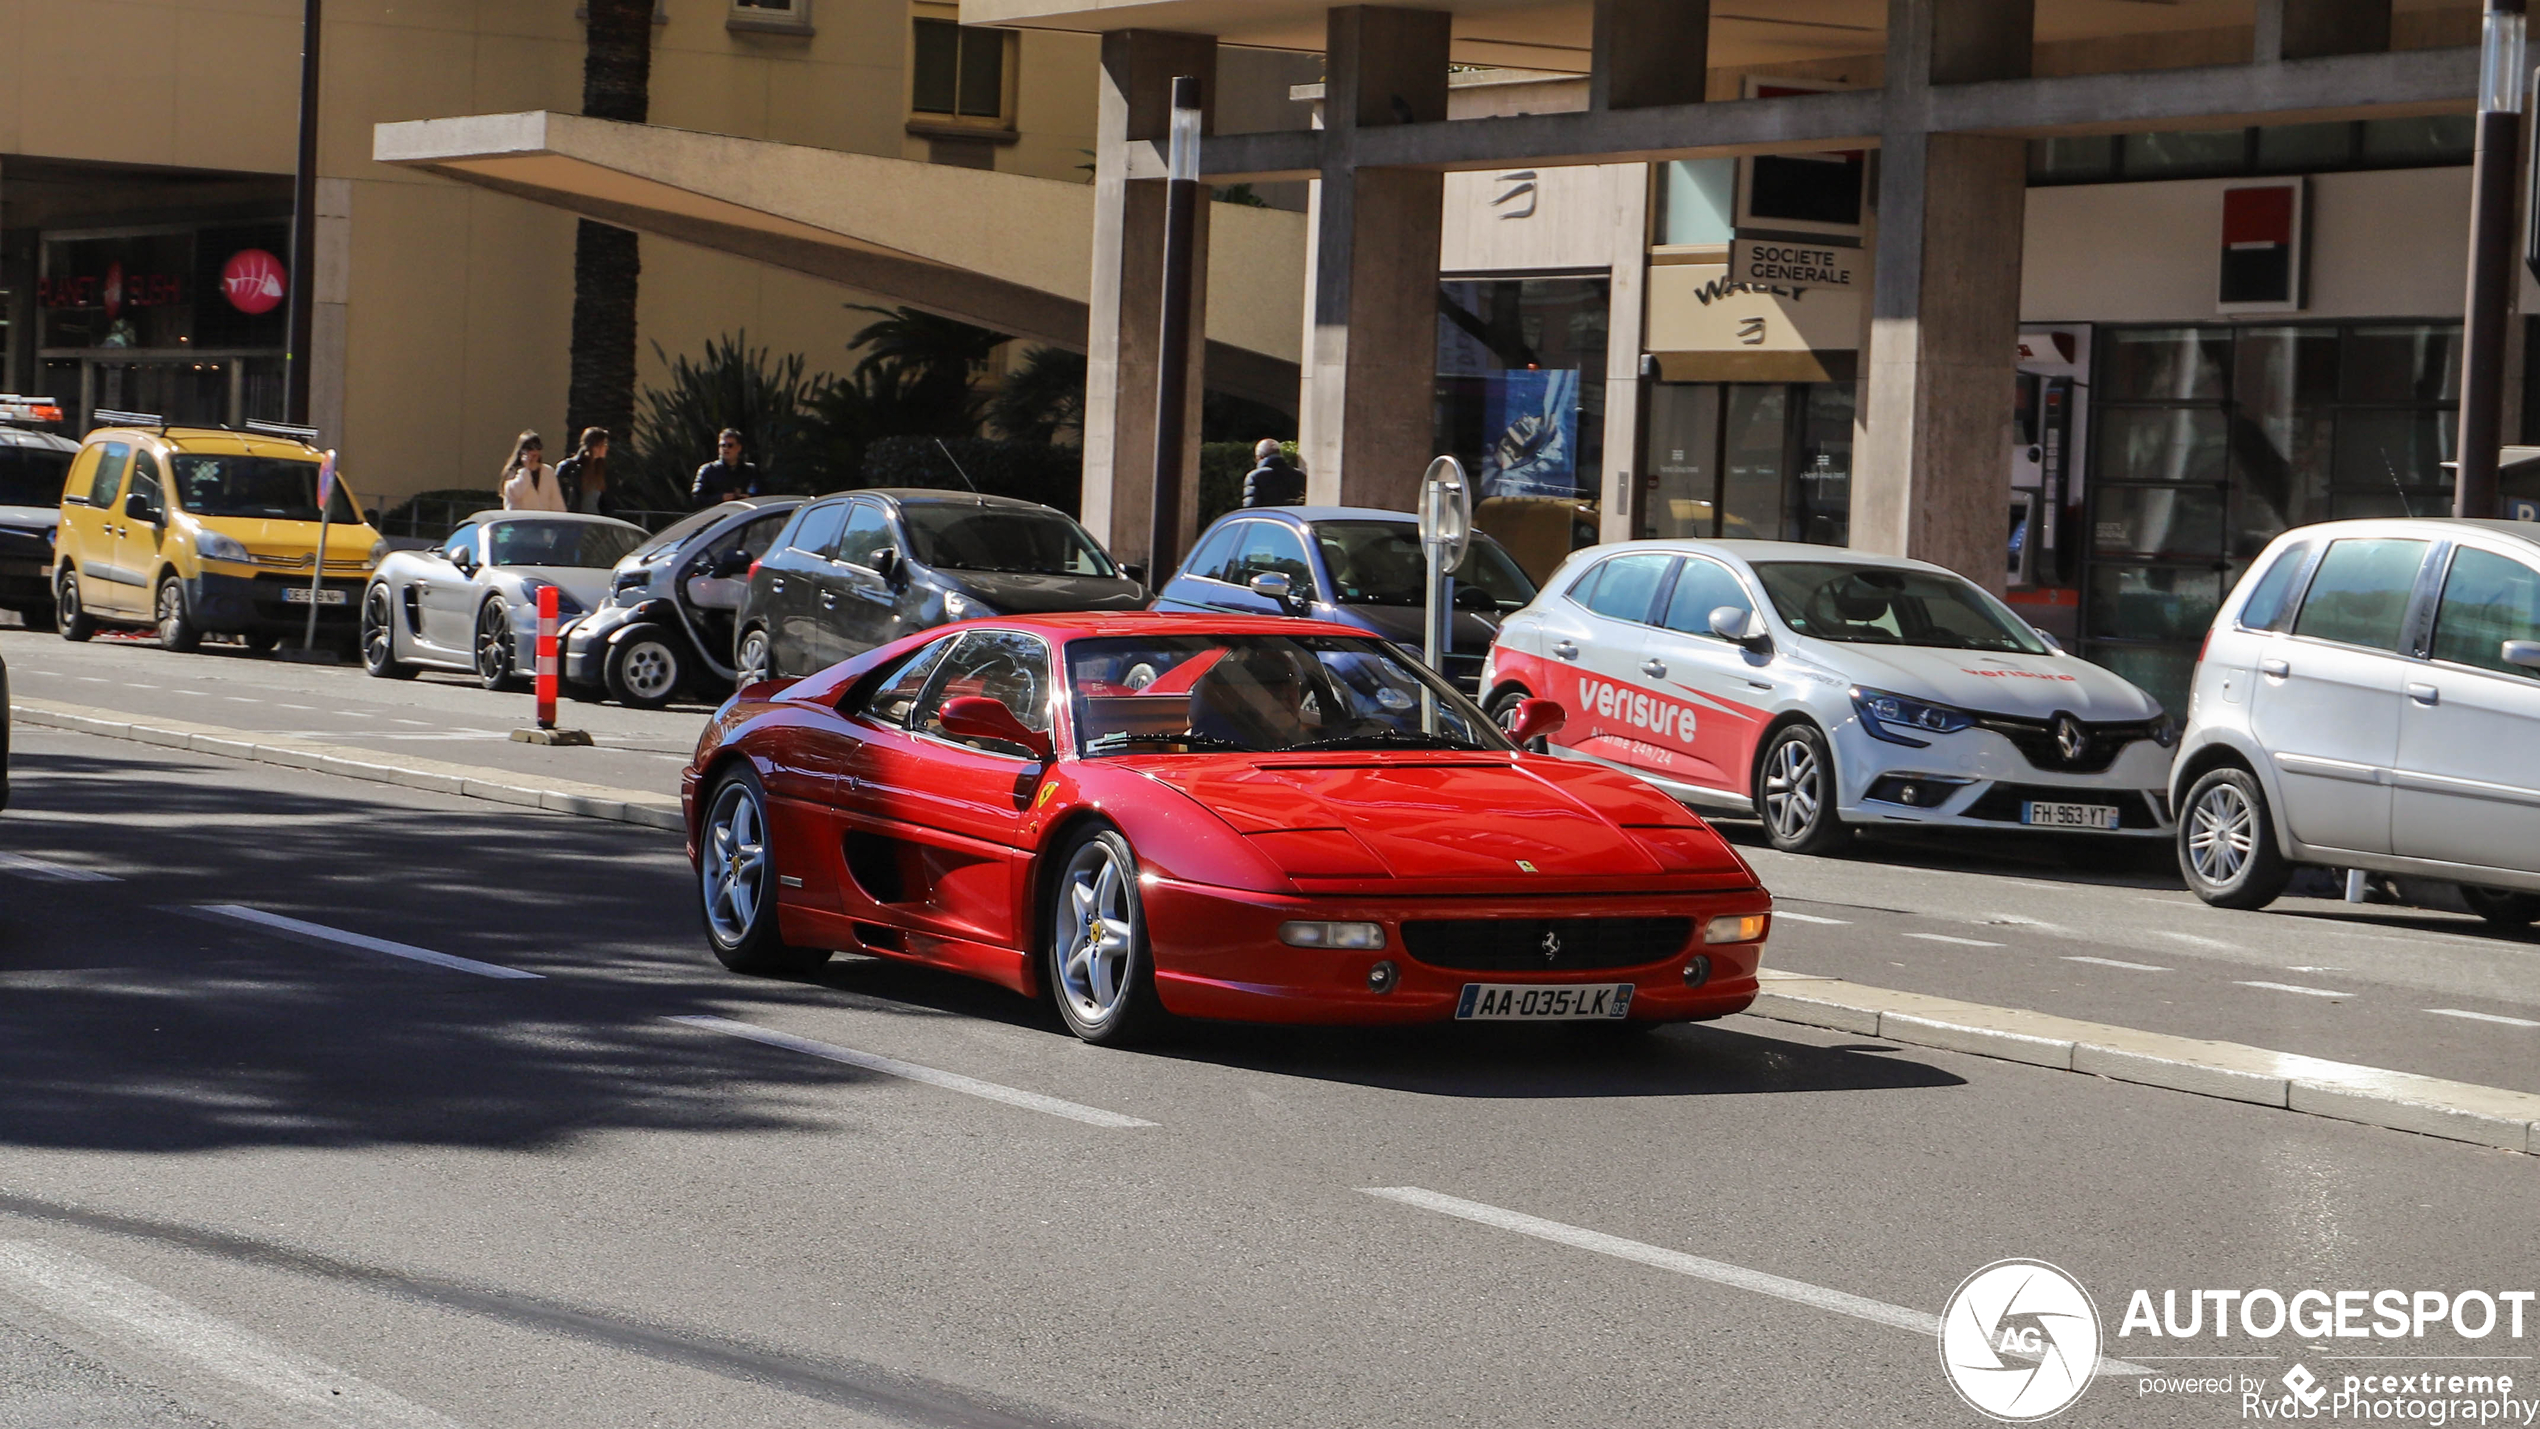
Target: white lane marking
(363,941)
(312,709)
(137,685)
(1718,1272)
(2483,1017)
(241,700)
(1811,918)
(2193,941)
(123,1309)
(2289,987)
(2117,963)
(1945,938)
(56,872)
(2312,968)
(402,720)
(93,679)
(910,1071)
(352,714)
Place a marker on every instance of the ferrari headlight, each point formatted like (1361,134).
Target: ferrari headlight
(1894,717)
(964,607)
(213,546)
(1355,936)
(1734,928)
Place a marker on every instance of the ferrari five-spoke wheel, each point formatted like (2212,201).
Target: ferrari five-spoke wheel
(752,659)
(2226,843)
(70,617)
(643,669)
(379,637)
(1503,712)
(494,647)
(177,630)
(1099,969)
(736,882)
(2502,906)
(1795,793)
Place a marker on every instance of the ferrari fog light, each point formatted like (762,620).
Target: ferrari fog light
(1382,977)
(1332,935)
(1698,971)
(1734,928)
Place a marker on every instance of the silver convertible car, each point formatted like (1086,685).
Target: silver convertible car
(472,602)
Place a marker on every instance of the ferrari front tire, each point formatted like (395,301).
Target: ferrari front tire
(379,637)
(1795,793)
(1098,964)
(736,883)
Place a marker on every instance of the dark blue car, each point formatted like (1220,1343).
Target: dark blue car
(1353,564)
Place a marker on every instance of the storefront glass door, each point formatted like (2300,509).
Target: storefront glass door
(1767,461)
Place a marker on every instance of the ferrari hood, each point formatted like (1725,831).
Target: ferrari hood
(1022,593)
(1990,682)
(1450,818)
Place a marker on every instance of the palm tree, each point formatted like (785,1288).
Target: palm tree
(617,65)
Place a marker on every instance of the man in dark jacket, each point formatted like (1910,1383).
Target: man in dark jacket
(726,477)
(1273,482)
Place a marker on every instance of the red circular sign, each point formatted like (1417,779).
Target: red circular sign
(252,280)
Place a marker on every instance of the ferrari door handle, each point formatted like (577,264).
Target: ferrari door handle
(1654,669)
(2276,668)
(2425,694)
(1565,650)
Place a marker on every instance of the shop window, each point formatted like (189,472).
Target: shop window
(2183,364)
(2183,153)
(1697,201)
(2305,147)
(1521,385)
(2403,363)
(958,74)
(2170,444)
(2431,139)
(2164,521)
(1757,440)
(2391,464)
(2072,158)
(791,17)
(2264,149)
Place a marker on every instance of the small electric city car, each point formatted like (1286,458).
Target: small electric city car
(1355,565)
(667,623)
(472,602)
(2369,698)
(1246,818)
(855,570)
(1821,689)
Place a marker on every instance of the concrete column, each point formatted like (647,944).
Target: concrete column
(1643,53)
(1371,338)
(1932,475)
(332,292)
(1624,393)
(1135,105)
(2309,29)
(1649,52)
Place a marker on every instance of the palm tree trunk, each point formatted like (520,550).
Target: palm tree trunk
(617,65)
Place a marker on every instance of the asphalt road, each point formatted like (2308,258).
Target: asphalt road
(256,1174)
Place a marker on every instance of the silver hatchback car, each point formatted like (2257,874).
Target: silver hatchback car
(2369,698)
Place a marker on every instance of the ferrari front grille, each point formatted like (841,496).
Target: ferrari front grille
(1544,944)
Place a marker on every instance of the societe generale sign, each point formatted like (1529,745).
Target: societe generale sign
(1779,262)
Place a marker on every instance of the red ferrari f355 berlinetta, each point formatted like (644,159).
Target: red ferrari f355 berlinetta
(1144,815)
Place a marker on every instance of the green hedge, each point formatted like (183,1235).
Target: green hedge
(1031,471)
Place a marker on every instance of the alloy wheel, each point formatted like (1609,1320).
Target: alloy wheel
(734,866)
(378,641)
(1097,934)
(2222,830)
(493,646)
(1790,789)
(649,670)
(752,664)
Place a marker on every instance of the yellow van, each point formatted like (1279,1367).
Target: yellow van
(206,531)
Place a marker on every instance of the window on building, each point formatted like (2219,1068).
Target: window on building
(2427,141)
(958,73)
(788,16)
(1697,201)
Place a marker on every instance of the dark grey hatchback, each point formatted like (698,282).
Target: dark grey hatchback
(859,569)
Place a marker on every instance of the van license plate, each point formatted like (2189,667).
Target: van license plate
(2070,816)
(299,595)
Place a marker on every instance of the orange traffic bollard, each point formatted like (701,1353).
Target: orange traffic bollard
(546,657)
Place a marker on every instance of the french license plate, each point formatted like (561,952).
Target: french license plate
(299,595)
(2069,816)
(1534,1002)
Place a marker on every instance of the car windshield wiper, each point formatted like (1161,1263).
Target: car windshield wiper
(1122,739)
(1386,739)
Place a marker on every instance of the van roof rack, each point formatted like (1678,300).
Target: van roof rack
(109,417)
(306,436)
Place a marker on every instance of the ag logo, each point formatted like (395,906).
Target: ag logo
(2019,1340)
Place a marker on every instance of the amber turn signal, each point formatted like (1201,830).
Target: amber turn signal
(1735,928)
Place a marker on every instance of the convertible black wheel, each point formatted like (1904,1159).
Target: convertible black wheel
(753,659)
(1099,967)
(1795,793)
(379,637)
(736,883)
(2502,906)
(70,617)
(2226,842)
(1503,712)
(644,668)
(494,648)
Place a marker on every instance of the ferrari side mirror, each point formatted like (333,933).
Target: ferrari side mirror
(979,717)
(1536,719)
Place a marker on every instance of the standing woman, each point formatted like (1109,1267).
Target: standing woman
(585,474)
(529,484)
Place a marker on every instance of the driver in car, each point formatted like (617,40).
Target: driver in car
(1255,699)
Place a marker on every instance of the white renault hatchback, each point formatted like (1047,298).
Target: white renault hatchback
(1822,689)
(2369,698)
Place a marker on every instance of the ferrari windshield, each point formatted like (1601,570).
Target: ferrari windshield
(1199,694)
(951,535)
(561,543)
(275,488)
(1381,563)
(1880,605)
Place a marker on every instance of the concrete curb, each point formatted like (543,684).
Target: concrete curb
(528,791)
(2374,1096)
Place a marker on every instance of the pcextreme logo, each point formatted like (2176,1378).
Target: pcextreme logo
(2019,1341)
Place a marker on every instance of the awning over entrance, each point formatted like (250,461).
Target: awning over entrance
(1004,251)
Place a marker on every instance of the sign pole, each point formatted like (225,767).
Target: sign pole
(2491,275)
(317,567)
(1446,529)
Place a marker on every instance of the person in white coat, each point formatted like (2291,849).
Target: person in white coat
(529,484)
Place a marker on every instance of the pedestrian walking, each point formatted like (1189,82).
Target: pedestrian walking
(585,475)
(529,484)
(725,478)
(1273,481)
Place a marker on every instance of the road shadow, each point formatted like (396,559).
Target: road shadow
(2051,857)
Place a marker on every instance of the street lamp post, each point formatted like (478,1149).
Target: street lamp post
(302,295)
(2491,229)
(1173,345)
